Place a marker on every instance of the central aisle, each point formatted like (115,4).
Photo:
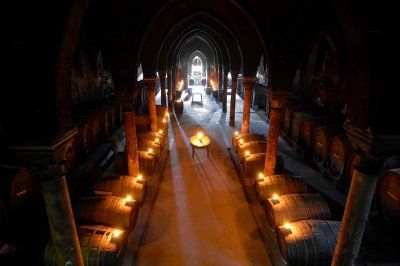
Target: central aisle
(201,216)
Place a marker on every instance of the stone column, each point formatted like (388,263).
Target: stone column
(151,84)
(131,142)
(170,86)
(277,100)
(248,83)
(361,191)
(232,114)
(225,92)
(220,82)
(162,90)
(61,219)
(355,216)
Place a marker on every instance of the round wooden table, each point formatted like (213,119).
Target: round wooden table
(203,143)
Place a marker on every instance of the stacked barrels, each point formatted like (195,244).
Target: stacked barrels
(94,123)
(295,214)
(250,150)
(298,217)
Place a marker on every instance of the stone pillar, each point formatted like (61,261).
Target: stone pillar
(225,92)
(131,142)
(61,219)
(248,83)
(361,191)
(277,100)
(162,90)
(232,114)
(220,82)
(151,84)
(170,86)
(355,216)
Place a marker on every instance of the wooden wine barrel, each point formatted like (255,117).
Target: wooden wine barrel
(339,151)
(122,186)
(94,125)
(152,136)
(111,111)
(279,184)
(295,207)
(246,137)
(98,244)
(307,130)
(108,210)
(104,119)
(83,140)
(147,163)
(297,120)
(353,160)
(309,242)
(115,104)
(252,147)
(321,138)
(178,107)
(287,116)
(388,196)
(145,145)
(18,188)
(255,163)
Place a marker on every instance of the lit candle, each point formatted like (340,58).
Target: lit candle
(200,136)
(116,233)
(241,141)
(166,114)
(287,226)
(128,198)
(156,140)
(236,133)
(139,177)
(275,196)
(247,153)
(164,120)
(261,176)
(160,131)
(150,151)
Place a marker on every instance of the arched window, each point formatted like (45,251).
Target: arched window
(197,66)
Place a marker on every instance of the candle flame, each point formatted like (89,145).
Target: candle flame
(241,141)
(236,133)
(287,225)
(128,198)
(117,233)
(275,196)
(164,120)
(139,177)
(200,135)
(156,140)
(260,175)
(247,153)
(150,150)
(160,131)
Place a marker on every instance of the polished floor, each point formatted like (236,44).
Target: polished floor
(201,216)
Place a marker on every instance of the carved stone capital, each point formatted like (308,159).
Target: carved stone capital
(248,82)
(151,83)
(372,143)
(277,98)
(41,155)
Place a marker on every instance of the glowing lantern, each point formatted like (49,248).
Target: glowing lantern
(116,233)
(128,198)
(139,177)
(287,226)
(150,151)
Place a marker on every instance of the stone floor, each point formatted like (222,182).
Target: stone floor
(201,216)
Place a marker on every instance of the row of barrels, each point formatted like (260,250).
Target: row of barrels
(301,220)
(336,157)
(105,218)
(250,150)
(110,213)
(94,122)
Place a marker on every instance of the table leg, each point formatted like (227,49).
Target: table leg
(208,152)
(192,152)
